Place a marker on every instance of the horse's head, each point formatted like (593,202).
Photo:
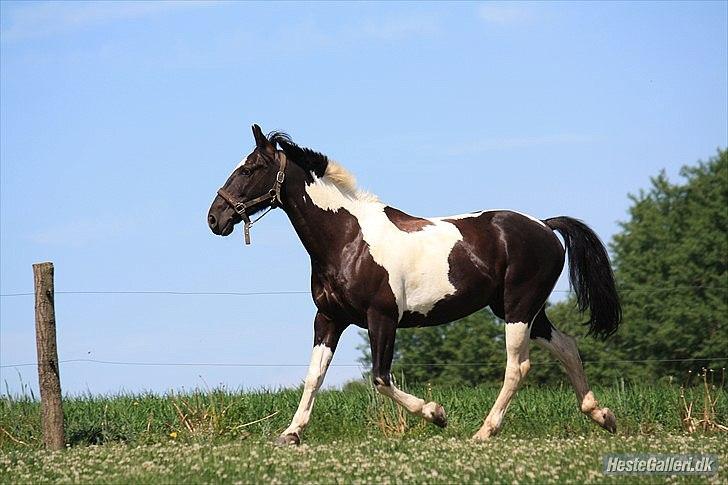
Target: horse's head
(254,185)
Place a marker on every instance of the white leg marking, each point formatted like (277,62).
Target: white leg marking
(413,404)
(320,359)
(563,347)
(517,366)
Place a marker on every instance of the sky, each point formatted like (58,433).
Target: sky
(119,121)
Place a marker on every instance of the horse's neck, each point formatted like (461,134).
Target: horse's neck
(317,224)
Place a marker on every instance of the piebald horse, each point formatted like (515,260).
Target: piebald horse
(378,268)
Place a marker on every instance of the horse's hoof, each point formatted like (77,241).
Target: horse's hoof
(439,418)
(435,414)
(481,436)
(605,418)
(610,420)
(290,439)
(486,432)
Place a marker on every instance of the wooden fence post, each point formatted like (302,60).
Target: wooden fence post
(48,373)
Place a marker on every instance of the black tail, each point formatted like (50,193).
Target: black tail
(590,275)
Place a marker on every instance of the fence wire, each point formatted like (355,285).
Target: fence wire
(414,364)
(307,292)
(297,292)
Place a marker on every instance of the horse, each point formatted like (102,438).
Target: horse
(376,267)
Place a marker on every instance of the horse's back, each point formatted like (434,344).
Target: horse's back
(485,243)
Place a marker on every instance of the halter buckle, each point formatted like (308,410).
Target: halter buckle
(280,177)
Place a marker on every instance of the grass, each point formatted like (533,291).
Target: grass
(381,460)
(354,435)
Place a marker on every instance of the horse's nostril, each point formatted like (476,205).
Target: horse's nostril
(211,220)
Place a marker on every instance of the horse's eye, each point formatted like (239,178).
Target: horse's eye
(245,171)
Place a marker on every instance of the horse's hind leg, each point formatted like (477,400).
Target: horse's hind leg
(563,347)
(522,301)
(517,366)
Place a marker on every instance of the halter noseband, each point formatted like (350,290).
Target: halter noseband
(273,197)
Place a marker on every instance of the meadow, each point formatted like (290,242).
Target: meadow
(217,435)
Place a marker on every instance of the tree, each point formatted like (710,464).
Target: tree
(671,264)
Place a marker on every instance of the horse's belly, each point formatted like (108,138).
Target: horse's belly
(447,310)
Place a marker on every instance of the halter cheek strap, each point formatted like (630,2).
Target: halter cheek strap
(273,197)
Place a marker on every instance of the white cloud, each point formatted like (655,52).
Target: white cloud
(35,20)
(505,14)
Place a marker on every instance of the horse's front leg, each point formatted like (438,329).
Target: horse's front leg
(326,337)
(382,330)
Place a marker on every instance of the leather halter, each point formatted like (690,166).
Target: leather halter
(273,197)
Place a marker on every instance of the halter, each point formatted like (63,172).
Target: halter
(273,196)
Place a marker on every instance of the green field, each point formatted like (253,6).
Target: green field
(354,435)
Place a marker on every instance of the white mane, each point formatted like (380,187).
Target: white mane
(343,180)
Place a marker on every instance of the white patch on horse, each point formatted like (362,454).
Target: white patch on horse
(416,262)
(461,216)
(479,213)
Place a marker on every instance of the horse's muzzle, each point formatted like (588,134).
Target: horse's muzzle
(212,222)
(218,228)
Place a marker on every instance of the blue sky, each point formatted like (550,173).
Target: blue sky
(120,120)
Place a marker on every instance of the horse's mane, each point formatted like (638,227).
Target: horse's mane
(319,164)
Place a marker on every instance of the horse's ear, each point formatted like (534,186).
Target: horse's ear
(262,143)
(260,140)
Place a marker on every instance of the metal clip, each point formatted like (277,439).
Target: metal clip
(280,177)
(246,233)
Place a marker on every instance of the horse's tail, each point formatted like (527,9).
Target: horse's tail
(590,275)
